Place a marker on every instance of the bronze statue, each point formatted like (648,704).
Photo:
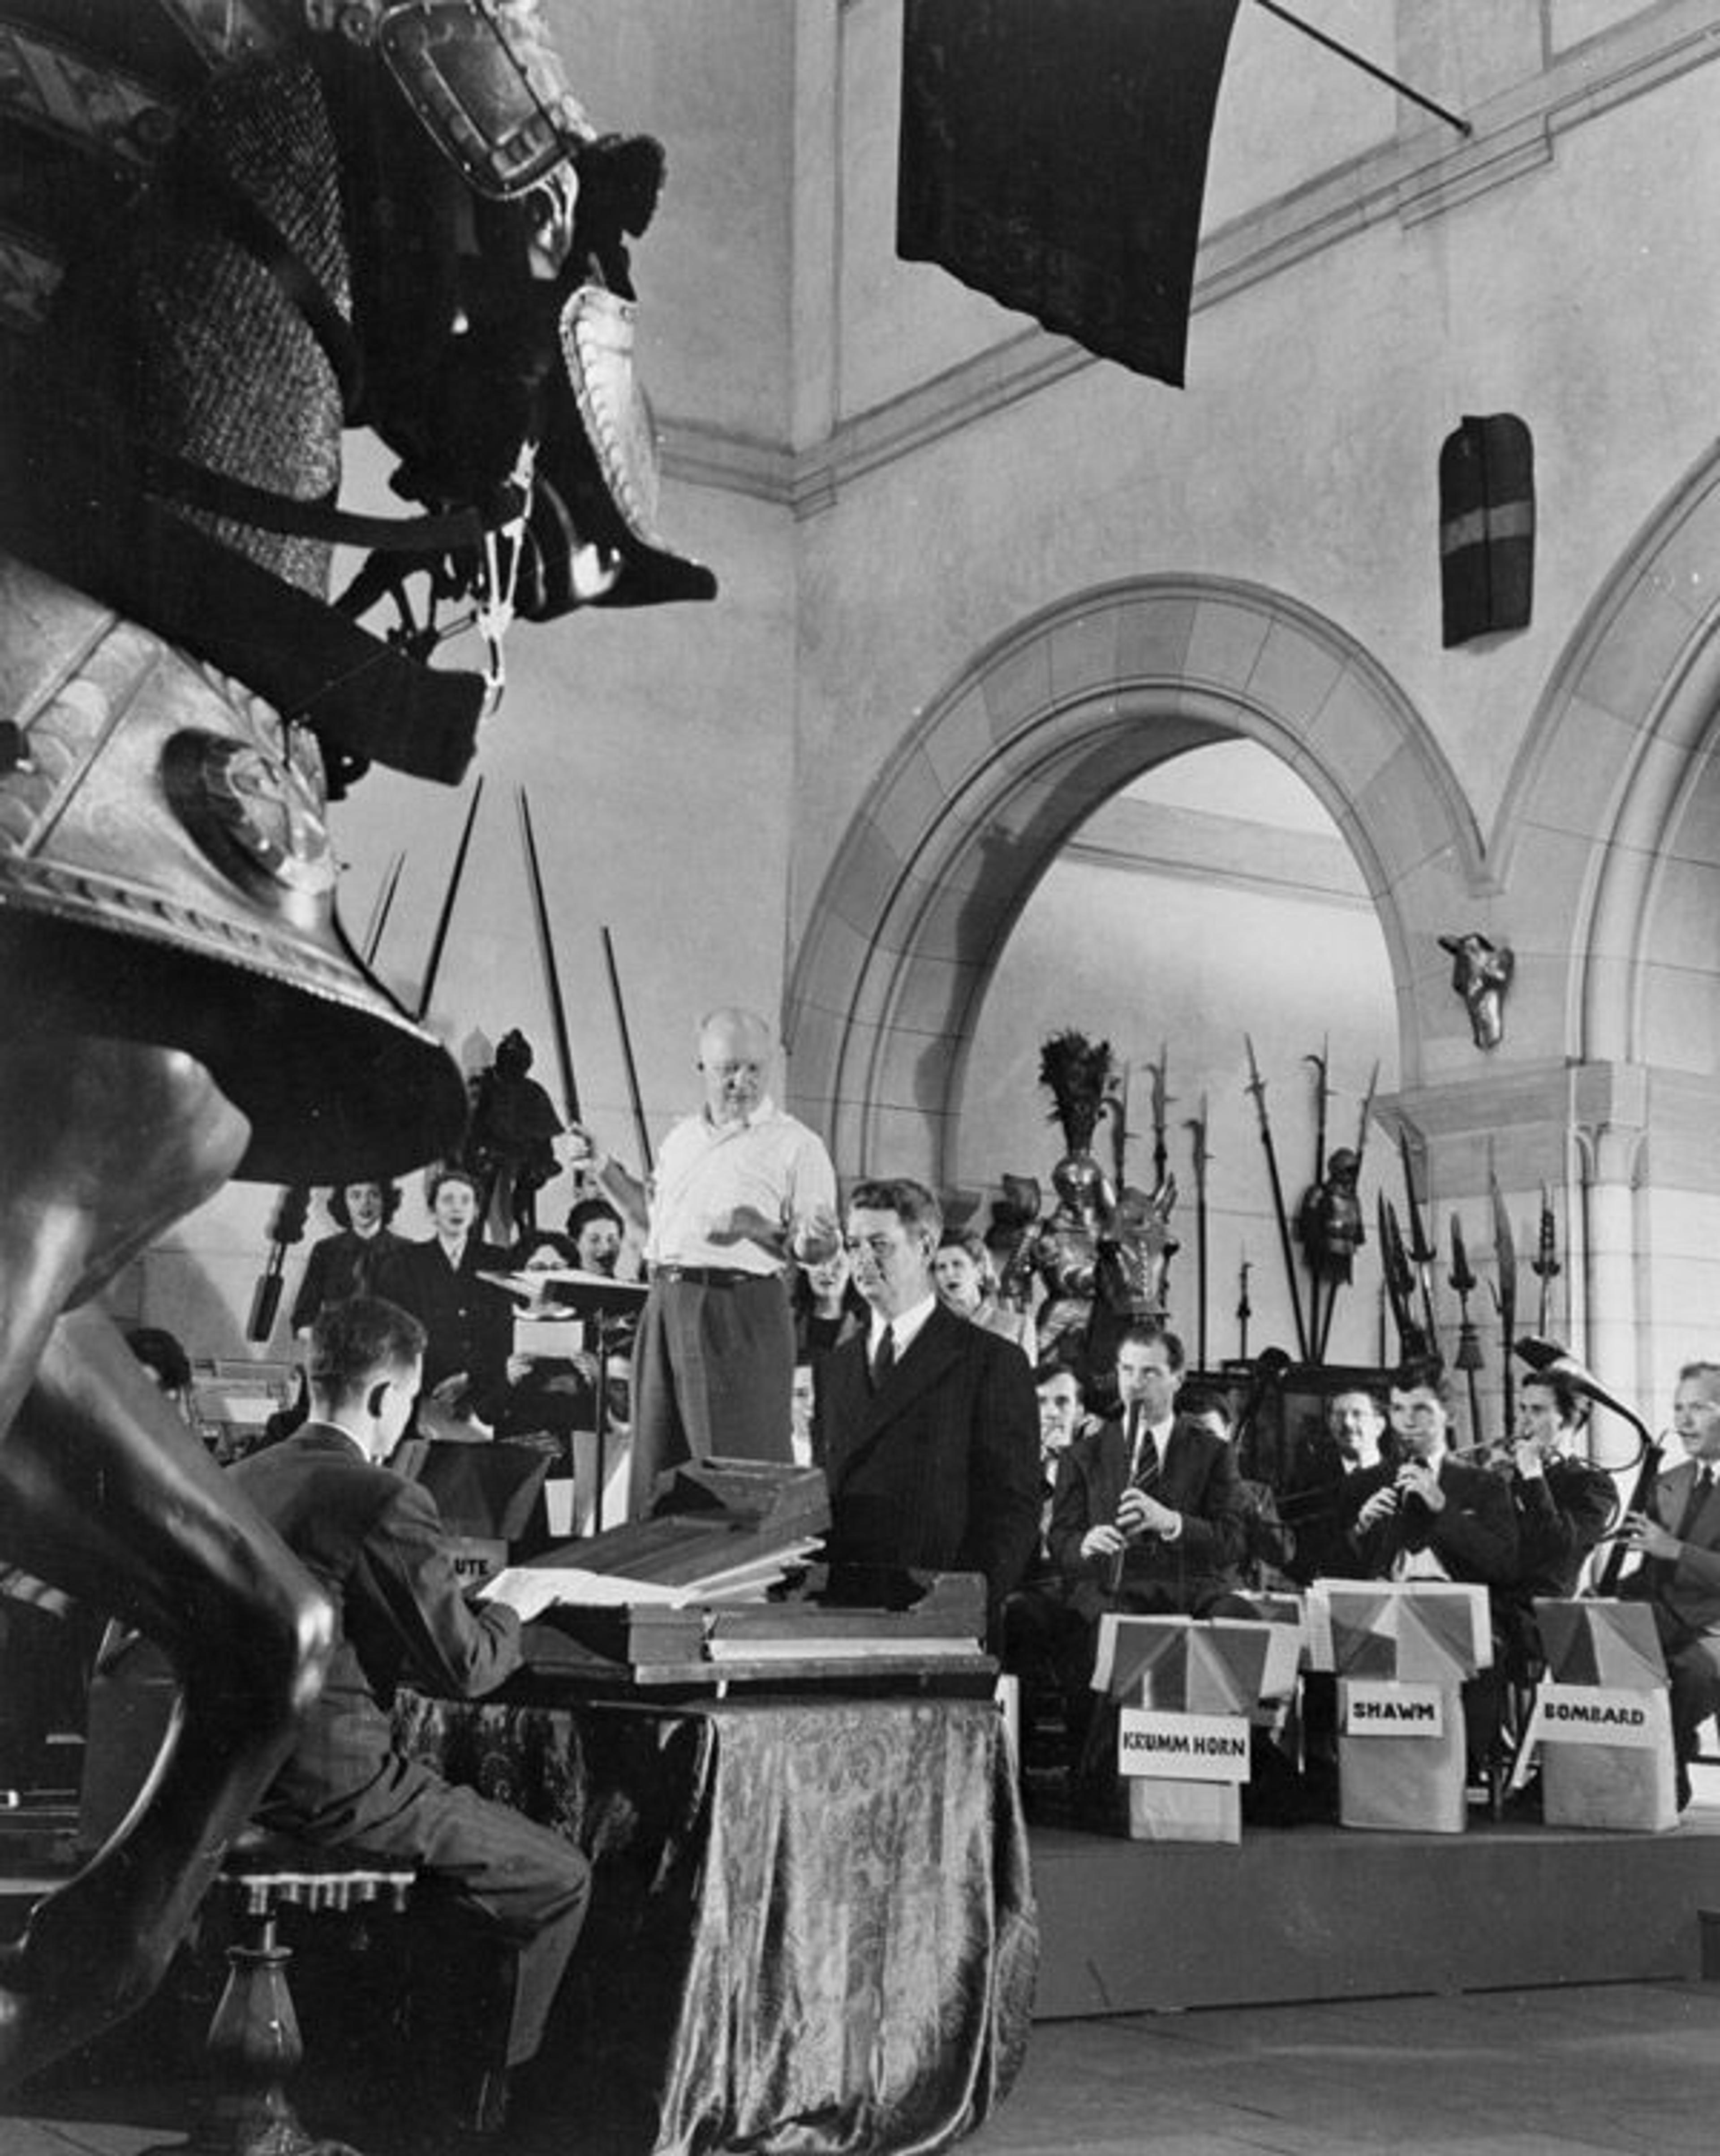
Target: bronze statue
(313,214)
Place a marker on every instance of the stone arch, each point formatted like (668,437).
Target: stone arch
(1591,829)
(1000,768)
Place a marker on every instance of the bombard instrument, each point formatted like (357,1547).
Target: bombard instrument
(1547,1357)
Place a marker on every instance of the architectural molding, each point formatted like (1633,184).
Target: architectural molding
(1411,178)
(1196,846)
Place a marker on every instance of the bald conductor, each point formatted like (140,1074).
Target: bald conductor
(741,1192)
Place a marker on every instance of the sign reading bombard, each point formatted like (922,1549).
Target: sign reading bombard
(1374,1708)
(1594,1714)
(1182,1748)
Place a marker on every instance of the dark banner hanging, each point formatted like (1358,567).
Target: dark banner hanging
(1487,526)
(1053,155)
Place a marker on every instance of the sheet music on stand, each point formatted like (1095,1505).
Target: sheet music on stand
(565,1301)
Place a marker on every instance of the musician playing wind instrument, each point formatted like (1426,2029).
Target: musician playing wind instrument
(1678,1538)
(741,1192)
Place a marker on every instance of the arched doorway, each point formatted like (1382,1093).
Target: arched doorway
(1020,750)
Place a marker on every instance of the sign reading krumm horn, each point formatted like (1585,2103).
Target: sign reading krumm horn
(1594,1714)
(1392,1709)
(1182,1748)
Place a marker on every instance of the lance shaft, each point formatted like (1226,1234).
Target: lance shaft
(551,976)
(633,1092)
(439,941)
(1257,1086)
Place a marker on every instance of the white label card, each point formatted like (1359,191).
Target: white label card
(1182,1748)
(1594,1714)
(1380,1708)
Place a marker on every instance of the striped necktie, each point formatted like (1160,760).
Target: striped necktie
(1144,1452)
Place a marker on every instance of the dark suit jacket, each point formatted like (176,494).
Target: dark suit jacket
(376,1543)
(340,1266)
(1474,1534)
(470,1324)
(1686,1587)
(1197,1478)
(941,1466)
(1561,1514)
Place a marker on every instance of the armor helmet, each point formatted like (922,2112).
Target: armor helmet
(482,76)
(1080,1182)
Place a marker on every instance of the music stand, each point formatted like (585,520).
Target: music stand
(598,1300)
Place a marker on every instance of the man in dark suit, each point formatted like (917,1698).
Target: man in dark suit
(469,1325)
(1147,1520)
(926,1426)
(1146,1516)
(375,1545)
(1678,1539)
(1428,1515)
(1431,1516)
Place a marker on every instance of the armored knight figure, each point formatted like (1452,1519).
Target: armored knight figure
(1061,1252)
(233,231)
(508,1147)
(1328,1222)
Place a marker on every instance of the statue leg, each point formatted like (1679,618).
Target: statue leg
(105,1493)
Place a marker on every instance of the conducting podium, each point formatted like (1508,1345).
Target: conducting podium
(1402,1652)
(1186,1691)
(1602,1719)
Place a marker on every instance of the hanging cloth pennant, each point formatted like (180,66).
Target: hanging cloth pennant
(1053,155)
(1487,526)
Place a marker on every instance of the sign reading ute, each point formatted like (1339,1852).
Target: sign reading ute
(1182,1748)
(1378,1708)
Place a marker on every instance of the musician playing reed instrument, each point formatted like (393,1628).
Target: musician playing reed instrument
(1677,1535)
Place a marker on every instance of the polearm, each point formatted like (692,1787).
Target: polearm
(1116,1105)
(1160,1105)
(1257,1085)
(439,941)
(551,975)
(1544,1265)
(380,911)
(1505,1293)
(1196,1126)
(1362,1123)
(641,1132)
(1399,1283)
(1323,1096)
(1422,1253)
(1468,1358)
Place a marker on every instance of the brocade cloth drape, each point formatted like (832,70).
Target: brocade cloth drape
(812,1928)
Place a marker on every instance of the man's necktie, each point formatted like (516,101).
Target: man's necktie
(1693,1504)
(1143,1474)
(884,1362)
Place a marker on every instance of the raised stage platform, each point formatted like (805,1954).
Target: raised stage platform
(1314,1912)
